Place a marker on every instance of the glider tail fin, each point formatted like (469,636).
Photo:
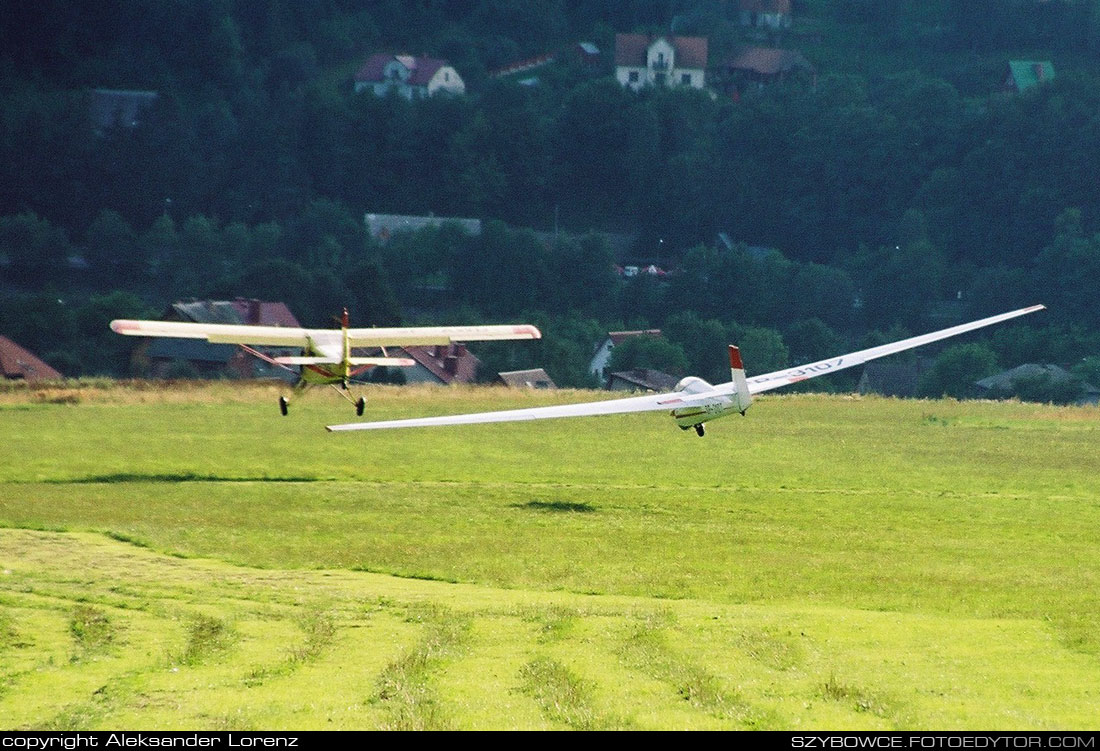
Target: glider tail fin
(742,396)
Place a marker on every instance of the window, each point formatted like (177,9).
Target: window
(685,79)
(633,76)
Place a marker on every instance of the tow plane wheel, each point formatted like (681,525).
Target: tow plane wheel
(700,430)
(360,405)
(283,404)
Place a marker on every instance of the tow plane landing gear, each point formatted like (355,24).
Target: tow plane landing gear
(283,405)
(700,430)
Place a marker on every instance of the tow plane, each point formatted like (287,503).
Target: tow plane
(694,402)
(326,357)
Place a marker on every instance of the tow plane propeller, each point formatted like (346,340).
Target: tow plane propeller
(326,357)
(693,401)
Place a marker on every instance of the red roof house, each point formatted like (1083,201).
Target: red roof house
(412,77)
(18,364)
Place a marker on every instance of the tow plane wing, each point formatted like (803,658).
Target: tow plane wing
(694,401)
(325,353)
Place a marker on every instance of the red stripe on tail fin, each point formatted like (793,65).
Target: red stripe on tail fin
(735,358)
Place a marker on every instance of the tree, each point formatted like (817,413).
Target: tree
(35,249)
(956,370)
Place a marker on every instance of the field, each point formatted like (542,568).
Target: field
(182,557)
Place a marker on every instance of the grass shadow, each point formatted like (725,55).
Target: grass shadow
(580,508)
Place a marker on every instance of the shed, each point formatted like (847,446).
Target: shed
(641,379)
(535,378)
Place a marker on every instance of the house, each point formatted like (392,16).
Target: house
(381,227)
(110,108)
(893,379)
(522,66)
(766,14)
(641,379)
(18,364)
(1051,380)
(411,77)
(603,352)
(164,358)
(442,363)
(648,60)
(536,378)
(1025,74)
(587,54)
(763,65)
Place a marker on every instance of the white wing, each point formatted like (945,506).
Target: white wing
(424,335)
(677,399)
(220,333)
(279,336)
(649,403)
(770,381)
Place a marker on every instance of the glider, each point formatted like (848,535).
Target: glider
(326,353)
(694,401)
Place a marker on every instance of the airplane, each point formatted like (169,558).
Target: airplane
(326,353)
(694,402)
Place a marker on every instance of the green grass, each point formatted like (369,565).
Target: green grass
(187,558)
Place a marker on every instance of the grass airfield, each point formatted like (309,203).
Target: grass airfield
(182,557)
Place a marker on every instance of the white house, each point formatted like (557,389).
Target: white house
(647,60)
(412,77)
(602,357)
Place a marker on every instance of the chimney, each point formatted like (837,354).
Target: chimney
(460,350)
(450,365)
(253,311)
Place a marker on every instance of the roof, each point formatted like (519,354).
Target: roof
(18,363)
(766,6)
(644,378)
(421,68)
(241,310)
(1023,74)
(617,337)
(767,61)
(536,378)
(1006,380)
(630,49)
(450,364)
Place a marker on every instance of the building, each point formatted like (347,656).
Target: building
(763,65)
(440,364)
(648,60)
(900,380)
(599,361)
(411,77)
(536,378)
(381,227)
(171,357)
(1025,74)
(19,364)
(1047,380)
(642,379)
(766,14)
(111,108)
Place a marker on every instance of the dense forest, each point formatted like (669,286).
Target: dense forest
(894,188)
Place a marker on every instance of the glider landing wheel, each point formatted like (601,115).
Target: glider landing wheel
(283,405)
(700,430)
(360,405)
